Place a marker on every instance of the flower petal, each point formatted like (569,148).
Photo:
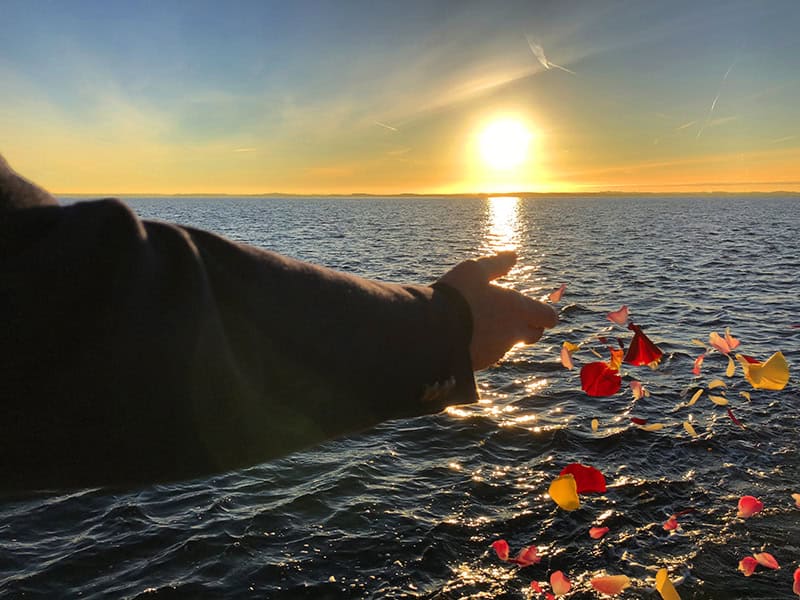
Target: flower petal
(734,419)
(566,358)
(598,380)
(536,587)
(620,317)
(731,370)
(748,506)
(796,586)
(642,350)
(796,499)
(765,559)
(664,586)
(610,585)
(587,479)
(527,556)
(597,532)
(770,375)
(595,424)
(732,342)
(501,548)
(555,296)
(652,427)
(615,362)
(689,429)
(695,396)
(564,492)
(747,565)
(718,342)
(671,524)
(715,383)
(698,362)
(559,583)
(638,390)
(746,396)
(718,400)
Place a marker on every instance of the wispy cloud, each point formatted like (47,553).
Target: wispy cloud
(244,150)
(385,126)
(538,52)
(785,138)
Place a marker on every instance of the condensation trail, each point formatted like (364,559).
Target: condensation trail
(716,98)
(538,52)
(385,126)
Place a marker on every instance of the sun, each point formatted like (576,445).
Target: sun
(504,143)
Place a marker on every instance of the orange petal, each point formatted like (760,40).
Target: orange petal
(732,342)
(731,370)
(555,296)
(595,424)
(796,499)
(745,395)
(564,492)
(765,559)
(560,583)
(566,358)
(597,532)
(610,585)
(715,383)
(698,362)
(718,400)
(528,556)
(718,342)
(664,586)
(748,506)
(637,389)
(747,565)
(671,524)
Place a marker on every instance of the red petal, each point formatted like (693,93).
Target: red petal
(559,583)
(698,362)
(671,523)
(747,565)
(638,421)
(765,559)
(748,506)
(598,380)
(587,479)
(642,351)
(750,359)
(527,556)
(549,596)
(796,586)
(734,419)
(536,587)
(597,532)
(501,548)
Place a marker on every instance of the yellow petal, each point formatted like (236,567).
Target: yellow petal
(652,426)
(571,347)
(745,395)
(697,342)
(689,429)
(770,375)
(696,396)
(664,586)
(564,492)
(731,370)
(595,424)
(719,400)
(716,383)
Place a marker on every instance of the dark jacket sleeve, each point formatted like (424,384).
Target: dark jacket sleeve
(136,352)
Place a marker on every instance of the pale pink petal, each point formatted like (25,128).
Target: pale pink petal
(555,296)
(747,565)
(620,317)
(765,559)
(748,506)
(501,548)
(718,342)
(597,532)
(671,523)
(560,583)
(637,389)
(732,342)
(566,358)
(610,585)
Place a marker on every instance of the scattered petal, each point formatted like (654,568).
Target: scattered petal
(564,492)
(796,499)
(734,419)
(697,342)
(732,342)
(718,400)
(549,596)
(587,479)
(527,556)
(745,395)
(610,585)
(615,362)
(689,428)
(620,317)
(595,425)
(770,375)
(536,587)
(731,370)
(555,296)
(696,396)
(664,586)
(566,358)
(715,383)
(796,586)
(638,390)
(652,427)
(598,380)
(671,524)
(642,350)
(748,506)
(597,532)
(698,362)
(501,548)
(747,565)
(559,583)
(638,421)
(718,342)
(765,559)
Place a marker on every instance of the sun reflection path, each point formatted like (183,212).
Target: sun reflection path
(502,232)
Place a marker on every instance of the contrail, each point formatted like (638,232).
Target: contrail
(385,126)
(244,150)
(716,98)
(538,52)
(685,125)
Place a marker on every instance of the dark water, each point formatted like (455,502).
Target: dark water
(408,510)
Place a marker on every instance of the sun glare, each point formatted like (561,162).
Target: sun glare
(503,144)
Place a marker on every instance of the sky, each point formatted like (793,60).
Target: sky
(387,97)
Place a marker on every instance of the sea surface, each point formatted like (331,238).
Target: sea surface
(409,509)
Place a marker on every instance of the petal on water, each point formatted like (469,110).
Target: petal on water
(664,586)
(620,317)
(599,380)
(638,421)
(796,586)
(770,375)
(501,548)
(652,427)
(748,506)
(566,358)
(796,498)
(571,348)
(555,296)
(642,350)
(638,390)
(564,492)
(765,559)
(731,370)
(718,400)
(527,556)
(747,565)
(560,583)
(610,585)
(745,395)
(671,524)
(718,342)
(689,428)
(696,396)
(732,342)
(536,587)
(615,362)
(698,362)
(597,532)
(595,424)
(587,479)
(734,419)
(715,383)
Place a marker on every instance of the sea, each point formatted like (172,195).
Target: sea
(409,509)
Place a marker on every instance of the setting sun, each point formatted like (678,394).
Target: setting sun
(504,143)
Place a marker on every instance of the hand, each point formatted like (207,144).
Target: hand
(501,317)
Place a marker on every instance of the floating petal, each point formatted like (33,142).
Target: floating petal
(566,358)
(638,390)
(689,428)
(747,565)
(715,383)
(560,583)
(615,362)
(765,559)
(587,479)
(734,419)
(555,296)
(638,421)
(501,548)
(564,492)
(745,395)
(536,587)
(770,375)
(595,425)
(598,380)
(796,498)
(718,400)
(748,506)
(652,427)
(642,350)
(696,396)
(697,342)
(732,342)
(527,556)
(718,342)
(610,585)
(731,370)
(698,362)
(664,586)
(597,532)
(671,524)
(620,317)
(796,586)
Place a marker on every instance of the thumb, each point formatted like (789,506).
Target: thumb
(493,267)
